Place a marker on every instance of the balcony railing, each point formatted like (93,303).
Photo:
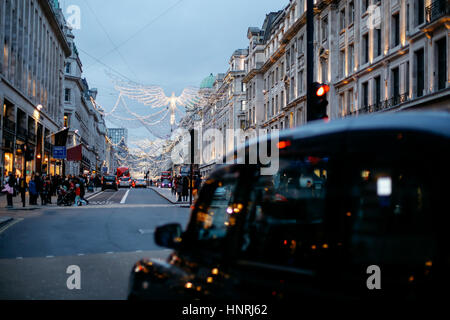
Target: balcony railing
(437,9)
(382,105)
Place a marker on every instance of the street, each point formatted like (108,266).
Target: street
(104,239)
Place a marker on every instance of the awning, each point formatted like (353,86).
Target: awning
(75,153)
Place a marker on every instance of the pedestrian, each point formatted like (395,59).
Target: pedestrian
(40,188)
(198,182)
(185,188)
(23,189)
(77,195)
(33,190)
(174,190)
(9,189)
(179,188)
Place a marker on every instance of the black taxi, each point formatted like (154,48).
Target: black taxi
(357,209)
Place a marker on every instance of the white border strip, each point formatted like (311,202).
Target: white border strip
(125,197)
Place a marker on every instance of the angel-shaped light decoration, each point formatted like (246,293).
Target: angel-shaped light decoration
(154,97)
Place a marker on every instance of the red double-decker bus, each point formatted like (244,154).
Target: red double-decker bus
(166,179)
(123,172)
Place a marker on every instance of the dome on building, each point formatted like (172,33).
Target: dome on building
(208,82)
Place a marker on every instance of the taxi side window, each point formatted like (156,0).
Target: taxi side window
(285,216)
(213,217)
(393,214)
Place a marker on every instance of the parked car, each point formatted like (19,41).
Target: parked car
(141,183)
(356,210)
(109,182)
(125,182)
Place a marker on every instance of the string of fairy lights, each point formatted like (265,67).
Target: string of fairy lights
(141,106)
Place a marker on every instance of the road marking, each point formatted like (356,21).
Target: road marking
(95,195)
(9,225)
(19,258)
(125,197)
(138,251)
(81,254)
(49,257)
(145,231)
(109,252)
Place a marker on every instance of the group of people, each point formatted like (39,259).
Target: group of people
(44,187)
(180,187)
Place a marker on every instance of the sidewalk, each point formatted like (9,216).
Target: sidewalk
(17,201)
(167,194)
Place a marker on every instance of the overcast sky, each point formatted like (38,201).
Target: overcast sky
(169,43)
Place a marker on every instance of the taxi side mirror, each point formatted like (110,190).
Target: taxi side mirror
(168,236)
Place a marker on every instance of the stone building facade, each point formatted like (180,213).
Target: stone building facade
(377,56)
(32,53)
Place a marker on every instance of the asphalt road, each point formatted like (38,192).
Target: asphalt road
(104,239)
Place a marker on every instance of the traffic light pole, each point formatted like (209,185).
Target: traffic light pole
(309,56)
(192,166)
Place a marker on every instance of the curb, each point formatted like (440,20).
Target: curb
(173,202)
(5,220)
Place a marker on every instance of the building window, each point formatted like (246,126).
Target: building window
(66,120)
(350,103)
(68,67)
(377,35)
(407,17)
(324,28)
(377,90)
(420,72)
(420,12)
(441,63)
(395,83)
(277,105)
(365,95)
(292,88)
(395,29)
(342,25)
(288,59)
(342,105)
(300,46)
(351,58)
(67,95)
(351,12)
(364,5)
(243,105)
(365,48)
(300,83)
(341,63)
(407,82)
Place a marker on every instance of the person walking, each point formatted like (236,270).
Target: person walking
(40,188)
(9,189)
(179,188)
(185,188)
(23,189)
(33,191)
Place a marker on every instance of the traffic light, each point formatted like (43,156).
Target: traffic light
(319,102)
(29,153)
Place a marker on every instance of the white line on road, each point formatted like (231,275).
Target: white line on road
(19,258)
(109,252)
(95,195)
(50,257)
(81,254)
(9,225)
(125,197)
